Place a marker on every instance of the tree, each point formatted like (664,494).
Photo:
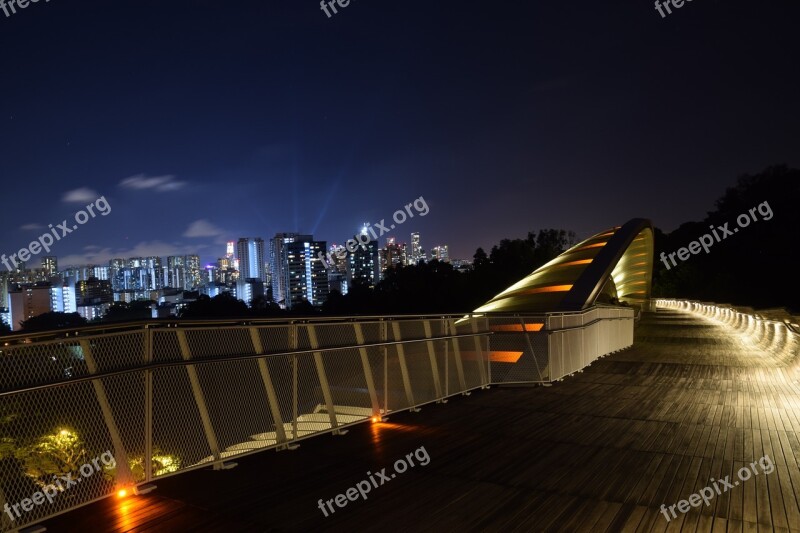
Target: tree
(735,266)
(336,304)
(264,306)
(4,329)
(53,320)
(52,455)
(122,311)
(480,259)
(304,308)
(224,305)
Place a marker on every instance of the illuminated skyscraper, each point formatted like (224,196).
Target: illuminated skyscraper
(176,272)
(252,264)
(416,249)
(393,255)
(4,290)
(27,302)
(363,265)
(50,265)
(441,253)
(278,265)
(307,277)
(193,275)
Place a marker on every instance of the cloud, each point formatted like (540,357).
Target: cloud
(202,228)
(101,256)
(80,195)
(31,227)
(164,183)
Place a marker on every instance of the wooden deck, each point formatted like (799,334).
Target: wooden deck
(600,451)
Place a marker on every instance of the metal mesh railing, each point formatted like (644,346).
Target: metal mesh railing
(548,347)
(141,404)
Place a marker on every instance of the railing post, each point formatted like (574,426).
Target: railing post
(479,351)
(432,356)
(373,395)
(124,475)
(446,368)
(401,357)
(293,344)
(272,397)
(148,406)
(5,523)
(530,347)
(457,354)
(489,354)
(384,338)
(323,379)
(200,399)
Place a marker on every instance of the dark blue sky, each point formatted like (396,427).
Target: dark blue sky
(264,116)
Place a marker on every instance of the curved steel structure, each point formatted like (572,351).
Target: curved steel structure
(614,265)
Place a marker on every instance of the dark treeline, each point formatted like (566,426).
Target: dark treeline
(756,266)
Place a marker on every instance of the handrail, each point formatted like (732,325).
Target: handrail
(228,358)
(583,326)
(174,322)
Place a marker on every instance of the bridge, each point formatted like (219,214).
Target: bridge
(641,407)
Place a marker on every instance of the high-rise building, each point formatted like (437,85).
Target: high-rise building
(193,276)
(416,249)
(278,261)
(225,273)
(27,302)
(306,275)
(93,291)
(62,298)
(393,255)
(101,272)
(249,289)
(176,272)
(252,264)
(50,265)
(337,281)
(115,267)
(4,278)
(363,265)
(441,253)
(336,259)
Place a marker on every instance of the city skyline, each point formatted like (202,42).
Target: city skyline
(288,269)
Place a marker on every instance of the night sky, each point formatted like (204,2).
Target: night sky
(205,121)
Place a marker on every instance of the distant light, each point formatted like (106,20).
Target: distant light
(122,493)
(375,419)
